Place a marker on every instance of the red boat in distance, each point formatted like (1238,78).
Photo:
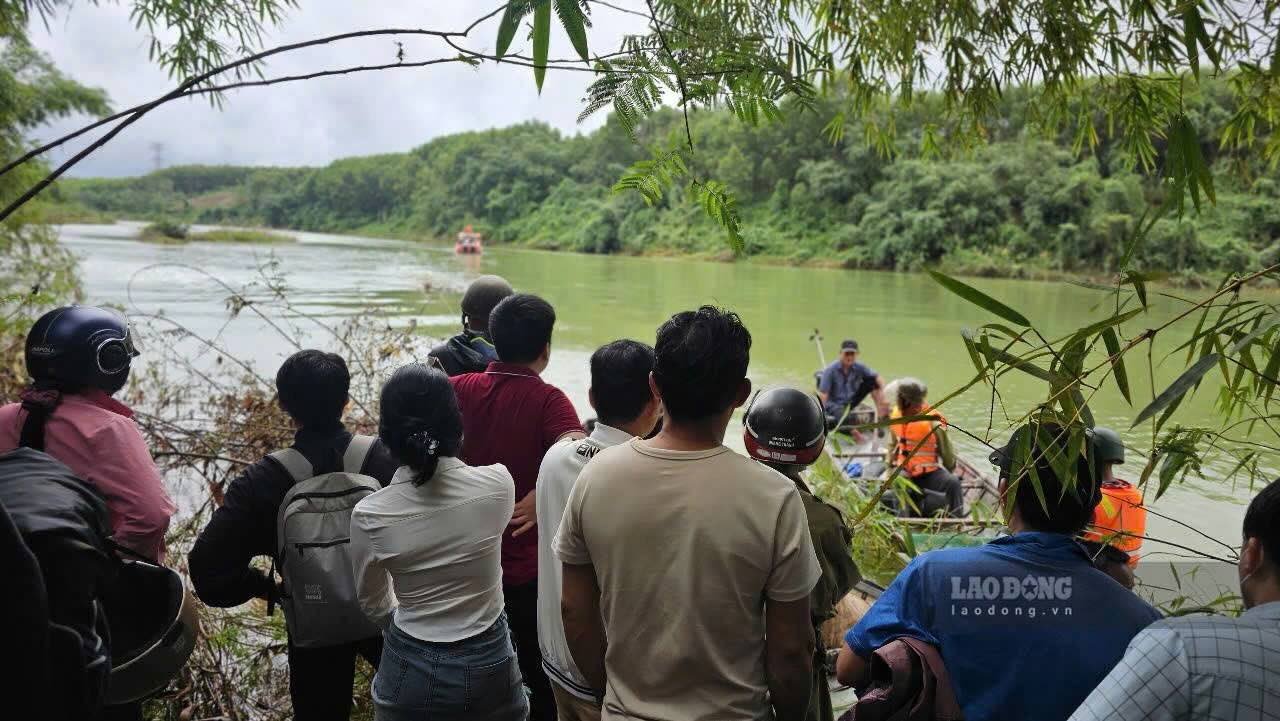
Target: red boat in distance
(469,242)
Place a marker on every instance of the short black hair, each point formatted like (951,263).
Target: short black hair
(620,380)
(313,387)
(521,327)
(1262,521)
(1068,503)
(701,359)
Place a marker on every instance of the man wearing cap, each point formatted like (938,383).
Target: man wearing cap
(471,351)
(846,382)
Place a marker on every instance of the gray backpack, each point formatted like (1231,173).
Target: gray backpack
(313,527)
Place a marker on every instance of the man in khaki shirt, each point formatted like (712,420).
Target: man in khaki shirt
(688,567)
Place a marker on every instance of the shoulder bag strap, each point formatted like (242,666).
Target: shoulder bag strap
(357,451)
(295,463)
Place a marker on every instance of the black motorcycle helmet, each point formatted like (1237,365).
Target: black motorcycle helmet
(80,346)
(784,426)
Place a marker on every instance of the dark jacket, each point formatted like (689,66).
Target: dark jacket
(832,541)
(909,682)
(244,527)
(56,562)
(467,352)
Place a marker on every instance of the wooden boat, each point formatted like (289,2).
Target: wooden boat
(469,242)
(861,458)
(848,612)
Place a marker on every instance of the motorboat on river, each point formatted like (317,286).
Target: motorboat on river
(469,242)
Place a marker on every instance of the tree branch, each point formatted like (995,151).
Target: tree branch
(195,81)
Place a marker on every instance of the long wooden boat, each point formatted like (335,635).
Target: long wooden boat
(861,459)
(848,612)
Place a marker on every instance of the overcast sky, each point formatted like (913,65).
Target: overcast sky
(317,121)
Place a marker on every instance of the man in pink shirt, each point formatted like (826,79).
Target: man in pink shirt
(78,357)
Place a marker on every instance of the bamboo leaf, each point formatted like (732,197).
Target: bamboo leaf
(1168,413)
(973,356)
(1117,363)
(1102,325)
(574,24)
(1139,282)
(1179,387)
(1192,29)
(541,40)
(1273,367)
(1262,327)
(1244,460)
(978,298)
(1013,361)
(516,10)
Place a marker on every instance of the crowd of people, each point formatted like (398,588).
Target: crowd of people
(494,561)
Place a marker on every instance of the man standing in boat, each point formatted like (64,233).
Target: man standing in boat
(471,351)
(846,383)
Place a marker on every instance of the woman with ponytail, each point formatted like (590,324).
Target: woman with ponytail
(427,552)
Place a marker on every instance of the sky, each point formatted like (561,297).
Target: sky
(317,121)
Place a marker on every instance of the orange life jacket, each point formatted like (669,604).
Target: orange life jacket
(1120,519)
(926,457)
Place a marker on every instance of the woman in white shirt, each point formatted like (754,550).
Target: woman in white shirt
(427,551)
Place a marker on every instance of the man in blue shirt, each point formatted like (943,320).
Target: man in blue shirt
(1026,626)
(846,382)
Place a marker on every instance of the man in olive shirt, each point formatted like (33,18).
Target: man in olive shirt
(784,429)
(688,567)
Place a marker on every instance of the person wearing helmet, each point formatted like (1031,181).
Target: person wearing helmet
(78,357)
(923,450)
(785,429)
(1114,537)
(471,351)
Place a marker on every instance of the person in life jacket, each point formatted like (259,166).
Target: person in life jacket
(78,357)
(471,351)
(923,449)
(1120,519)
(785,429)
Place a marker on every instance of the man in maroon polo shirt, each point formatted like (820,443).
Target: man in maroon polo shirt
(510,416)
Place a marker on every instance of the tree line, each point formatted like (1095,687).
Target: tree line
(1021,204)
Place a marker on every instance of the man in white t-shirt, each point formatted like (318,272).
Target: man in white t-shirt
(626,407)
(687,567)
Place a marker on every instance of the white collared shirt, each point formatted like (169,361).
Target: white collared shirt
(560,468)
(432,553)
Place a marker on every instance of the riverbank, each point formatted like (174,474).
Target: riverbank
(1019,206)
(971,265)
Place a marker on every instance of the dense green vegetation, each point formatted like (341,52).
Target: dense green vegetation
(164,231)
(240,235)
(1021,204)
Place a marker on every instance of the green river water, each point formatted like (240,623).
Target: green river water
(905,323)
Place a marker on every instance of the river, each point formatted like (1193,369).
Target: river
(905,323)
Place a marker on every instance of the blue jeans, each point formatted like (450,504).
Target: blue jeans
(475,678)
